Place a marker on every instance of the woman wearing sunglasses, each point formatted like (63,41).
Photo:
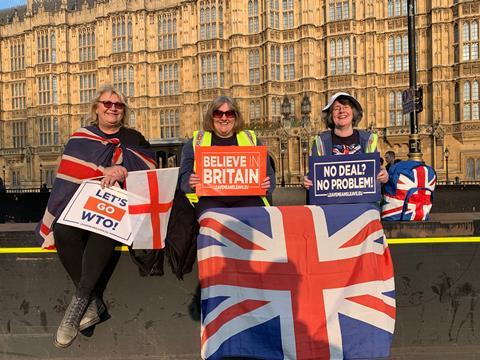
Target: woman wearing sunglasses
(108,149)
(223,125)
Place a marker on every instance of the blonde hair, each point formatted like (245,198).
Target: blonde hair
(214,105)
(107,88)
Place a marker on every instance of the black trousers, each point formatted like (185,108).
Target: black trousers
(84,255)
(208,202)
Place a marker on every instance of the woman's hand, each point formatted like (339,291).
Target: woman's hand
(382,176)
(113,175)
(108,181)
(118,172)
(193,180)
(265,183)
(307,183)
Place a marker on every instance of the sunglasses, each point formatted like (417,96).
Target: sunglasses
(109,104)
(229,114)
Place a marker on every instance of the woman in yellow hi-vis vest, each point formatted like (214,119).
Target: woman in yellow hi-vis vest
(223,125)
(342,113)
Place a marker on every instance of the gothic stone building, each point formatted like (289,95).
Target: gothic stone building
(171,57)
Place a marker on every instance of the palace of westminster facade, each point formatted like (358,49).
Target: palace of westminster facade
(171,57)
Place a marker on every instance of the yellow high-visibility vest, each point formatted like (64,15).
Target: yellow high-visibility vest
(370,148)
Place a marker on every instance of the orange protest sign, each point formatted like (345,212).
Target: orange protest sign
(104,208)
(230,170)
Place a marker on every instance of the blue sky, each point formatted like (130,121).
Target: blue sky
(11,3)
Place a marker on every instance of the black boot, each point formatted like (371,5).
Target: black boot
(93,313)
(68,329)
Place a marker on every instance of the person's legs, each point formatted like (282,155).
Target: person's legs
(84,255)
(70,243)
(98,253)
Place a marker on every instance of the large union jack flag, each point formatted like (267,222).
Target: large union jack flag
(296,282)
(411,198)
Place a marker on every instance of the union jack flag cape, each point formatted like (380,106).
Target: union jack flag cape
(295,282)
(86,155)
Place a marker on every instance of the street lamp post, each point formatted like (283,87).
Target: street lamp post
(414,149)
(41,180)
(305,152)
(306,109)
(446,153)
(286,110)
(282,156)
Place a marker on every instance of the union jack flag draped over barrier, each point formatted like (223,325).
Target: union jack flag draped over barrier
(408,193)
(86,155)
(297,282)
(150,208)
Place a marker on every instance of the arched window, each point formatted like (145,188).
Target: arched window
(177,123)
(395,109)
(333,57)
(130,36)
(470,169)
(214,21)
(43,47)
(222,71)
(398,53)
(475,101)
(53,46)
(208,23)
(466,101)
(15,179)
(120,40)
(288,62)
(456,101)
(254,66)
(275,62)
(470,40)
(288,14)
(456,55)
(132,120)
(131,82)
(466,41)
(390,8)
(274,14)
(209,71)
(55,135)
(253,16)
(220,20)
(54,90)
(340,56)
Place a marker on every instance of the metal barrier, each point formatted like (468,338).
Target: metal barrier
(25,190)
(458,183)
(22,207)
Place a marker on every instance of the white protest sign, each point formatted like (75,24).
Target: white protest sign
(103,211)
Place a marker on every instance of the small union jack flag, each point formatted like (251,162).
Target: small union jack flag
(410,199)
(296,282)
